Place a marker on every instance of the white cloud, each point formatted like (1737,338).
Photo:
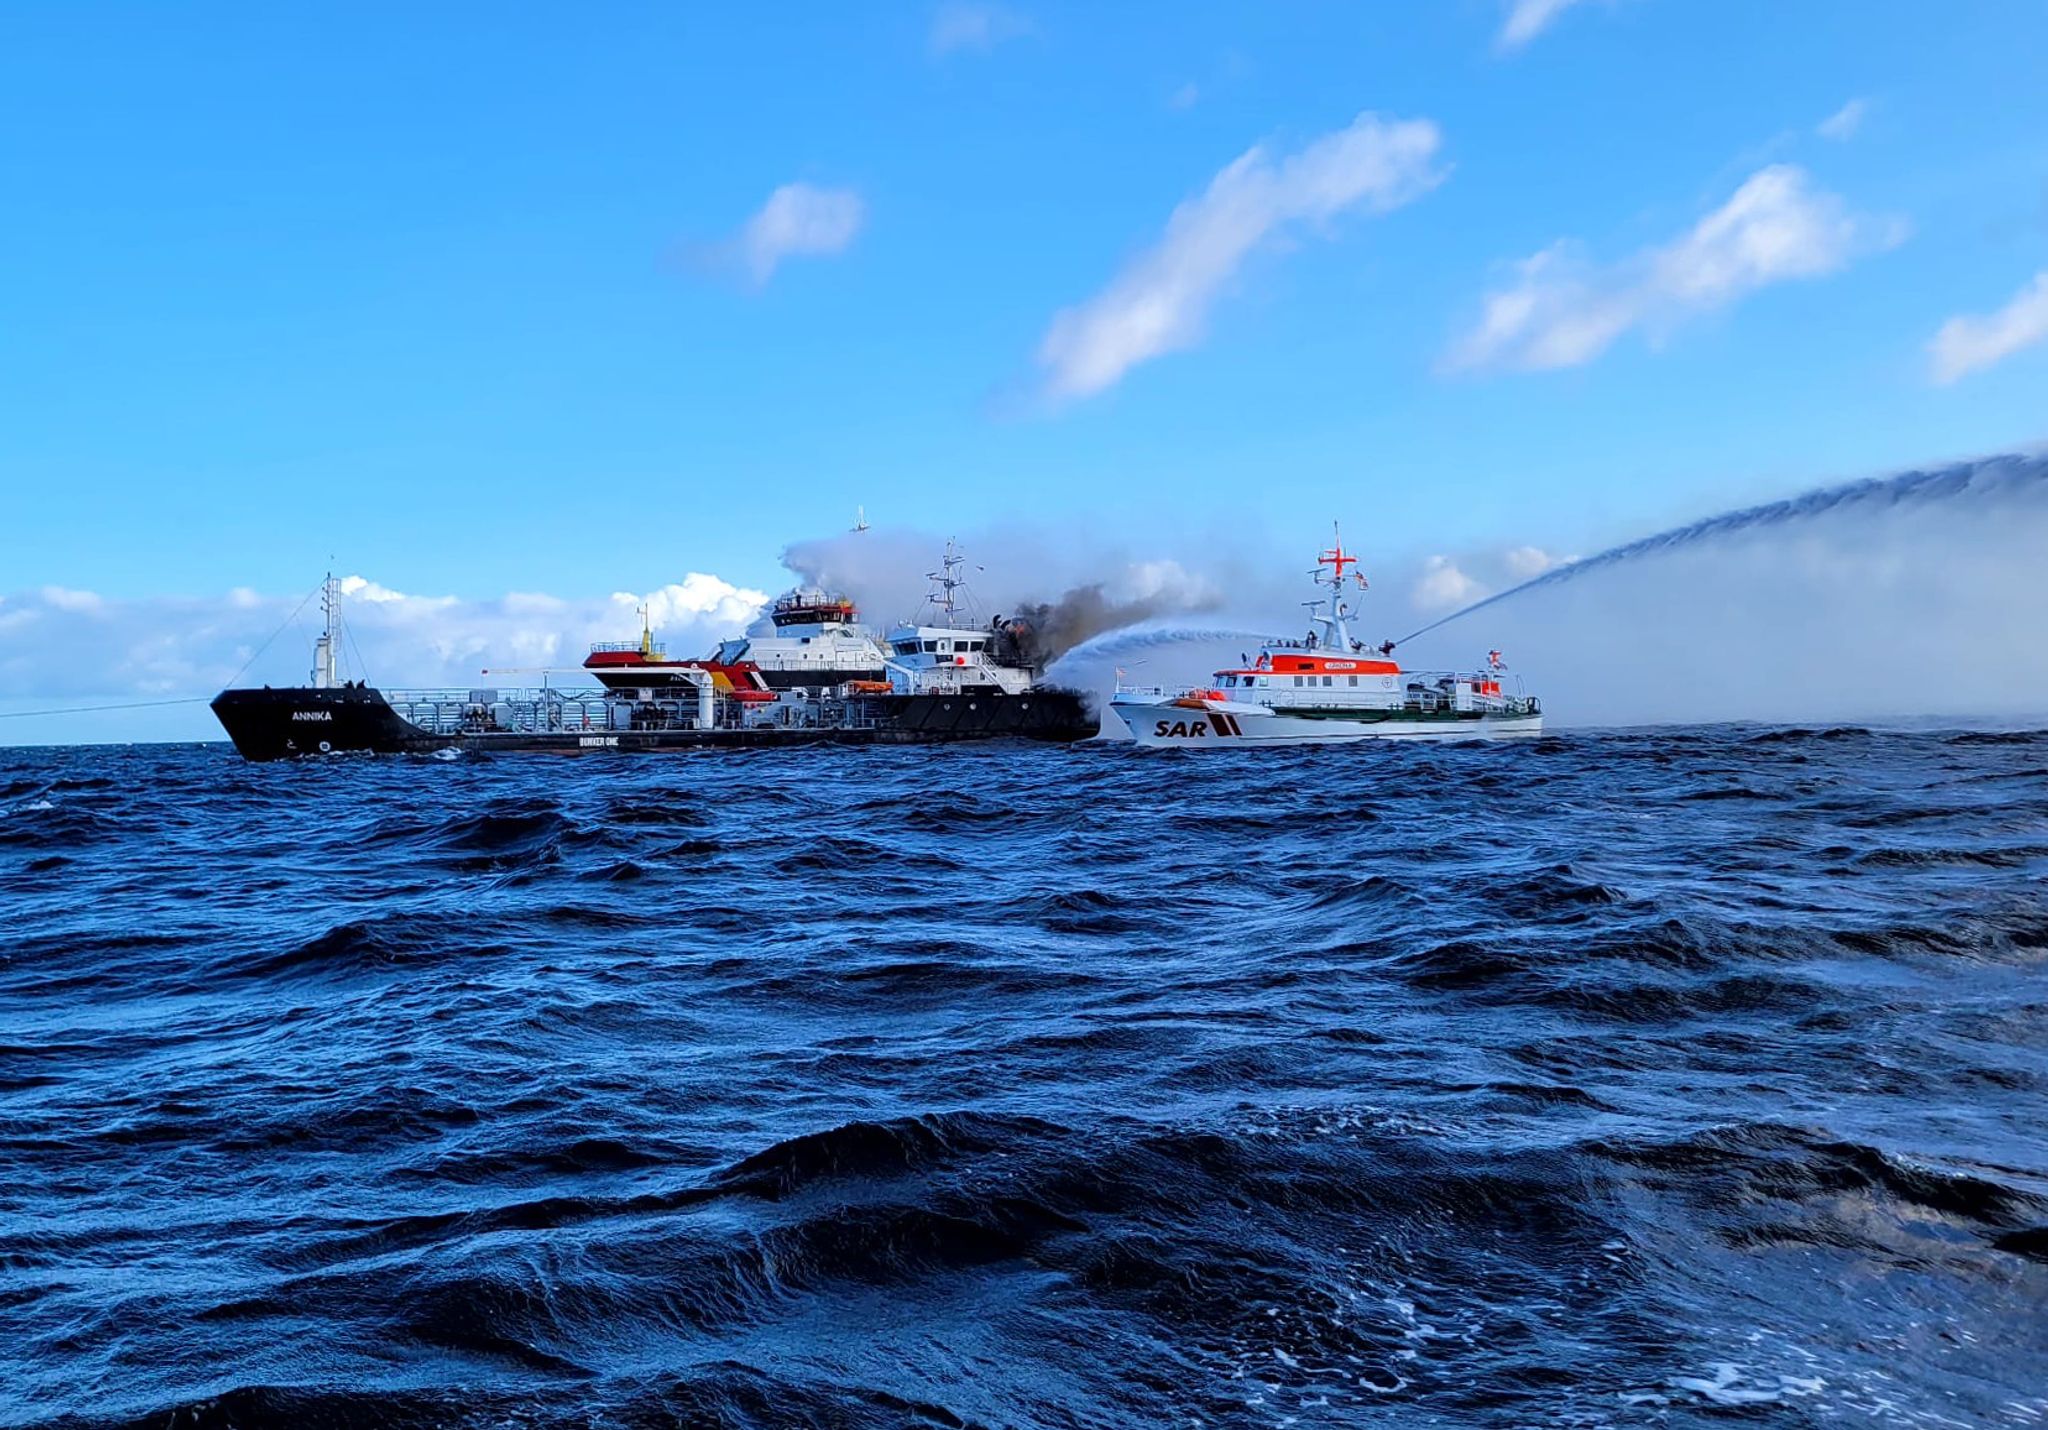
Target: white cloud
(1158,303)
(1185,97)
(799,220)
(1561,311)
(63,598)
(698,600)
(1162,579)
(358,588)
(1526,19)
(1841,126)
(1524,562)
(970,25)
(1443,587)
(174,646)
(1970,342)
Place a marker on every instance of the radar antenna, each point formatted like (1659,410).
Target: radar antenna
(946,581)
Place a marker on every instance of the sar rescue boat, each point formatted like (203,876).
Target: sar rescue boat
(1329,688)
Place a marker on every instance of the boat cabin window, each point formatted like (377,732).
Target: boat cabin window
(906,647)
(1326,680)
(931,647)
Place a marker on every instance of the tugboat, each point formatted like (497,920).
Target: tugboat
(947,671)
(936,682)
(1328,689)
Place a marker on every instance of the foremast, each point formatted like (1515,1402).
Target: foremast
(1329,571)
(942,597)
(326,655)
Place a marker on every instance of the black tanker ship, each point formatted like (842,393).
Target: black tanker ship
(818,679)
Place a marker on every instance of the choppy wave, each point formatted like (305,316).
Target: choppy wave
(1644,1079)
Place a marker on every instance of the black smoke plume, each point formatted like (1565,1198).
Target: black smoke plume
(1034,634)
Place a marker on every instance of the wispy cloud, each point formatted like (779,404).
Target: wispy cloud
(1445,583)
(973,25)
(1159,302)
(1561,310)
(65,598)
(1185,97)
(1841,126)
(1971,342)
(798,221)
(1526,19)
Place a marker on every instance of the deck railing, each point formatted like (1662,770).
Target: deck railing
(1422,693)
(547,711)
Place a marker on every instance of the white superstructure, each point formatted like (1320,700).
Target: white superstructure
(947,653)
(814,640)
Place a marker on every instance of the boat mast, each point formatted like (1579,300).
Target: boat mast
(1337,558)
(324,652)
(945,582)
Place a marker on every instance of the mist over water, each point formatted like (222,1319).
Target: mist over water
(1913,595)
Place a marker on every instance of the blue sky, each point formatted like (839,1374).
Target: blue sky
(466,296)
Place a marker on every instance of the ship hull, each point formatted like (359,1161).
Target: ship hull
(296,723)
(283,724)
(1046,713)
(1168,725)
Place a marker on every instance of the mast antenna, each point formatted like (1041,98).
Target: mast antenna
(945,581)
(325,655)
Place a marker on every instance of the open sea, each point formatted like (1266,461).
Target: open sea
(1656,1078)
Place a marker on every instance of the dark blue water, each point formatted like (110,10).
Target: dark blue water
(1635,1079)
